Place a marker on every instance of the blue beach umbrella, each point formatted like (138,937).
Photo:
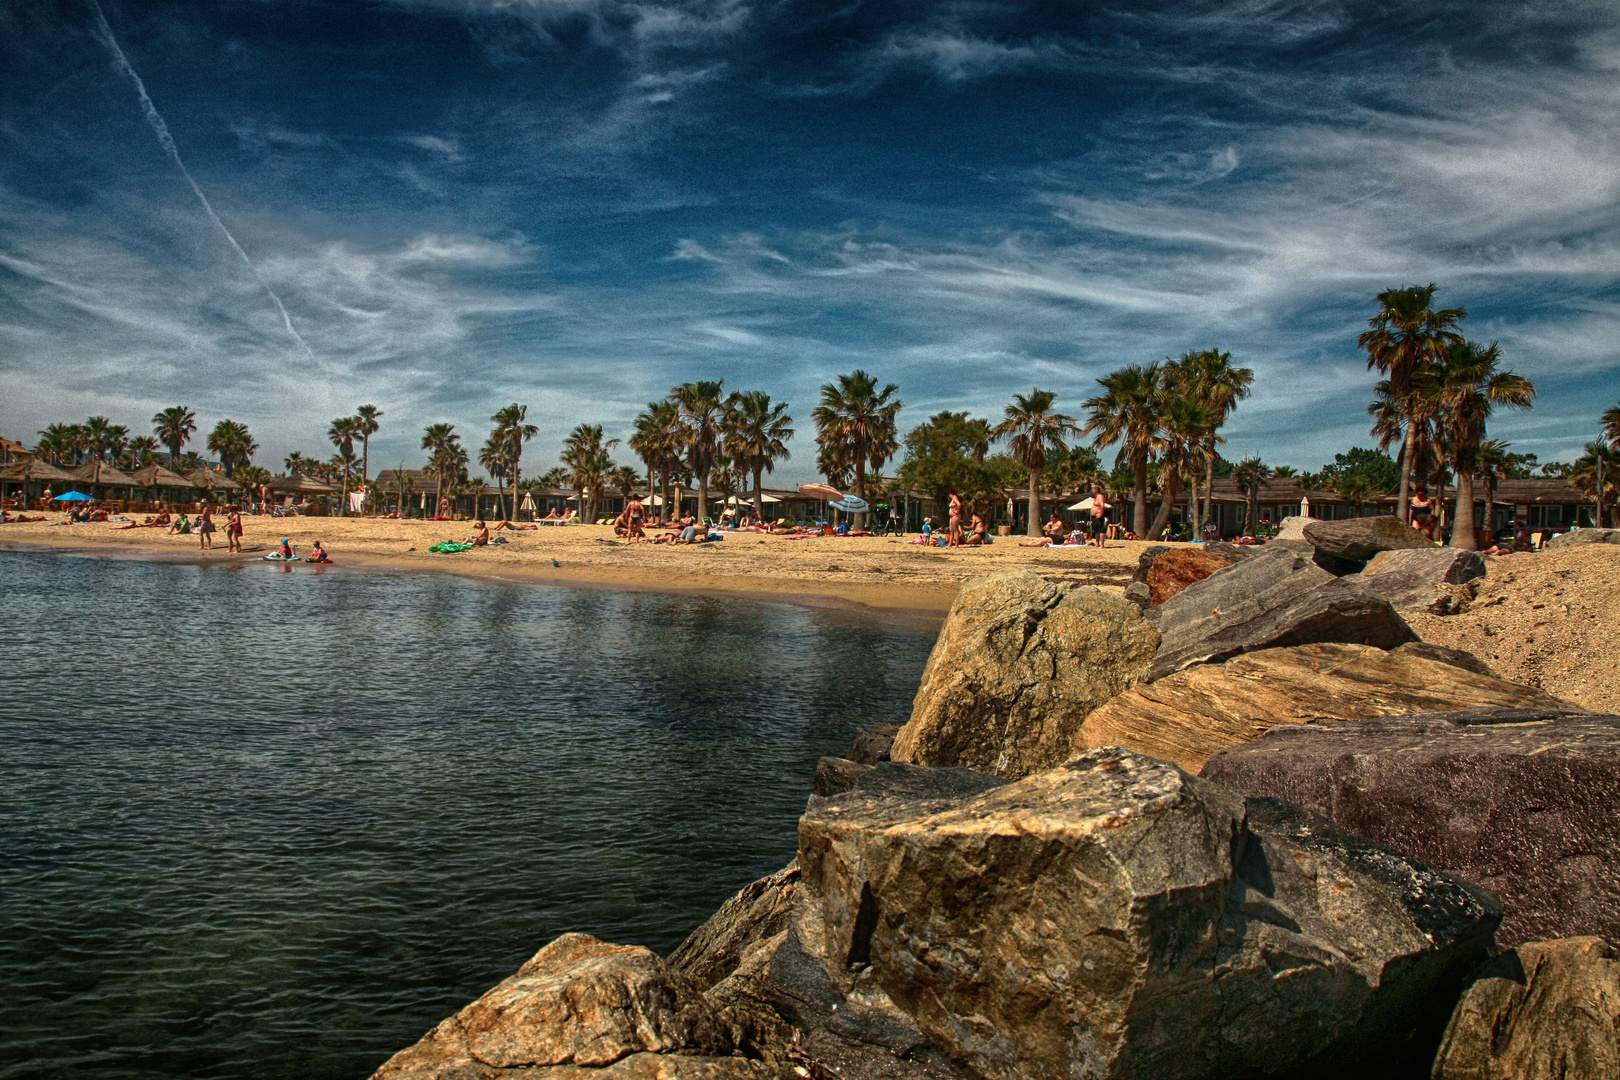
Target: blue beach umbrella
(851,504)
(72,496)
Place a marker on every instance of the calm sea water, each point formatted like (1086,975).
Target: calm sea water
(266,824)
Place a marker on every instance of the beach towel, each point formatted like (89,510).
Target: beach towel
(450,547)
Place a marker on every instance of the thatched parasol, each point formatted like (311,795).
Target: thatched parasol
(99,472)
(212,480)
(35,470)
(156,476)
(298,483)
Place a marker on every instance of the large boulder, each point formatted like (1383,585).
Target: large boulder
(1190,715)
(1521,801)
(1019,663)
(1117,917)
(1278,598)
(1175,570)
(1548,1010)
(1359,539)
(582,1008)
(1421,579)
(1585,536)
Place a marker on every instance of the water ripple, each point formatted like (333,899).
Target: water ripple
(256,824)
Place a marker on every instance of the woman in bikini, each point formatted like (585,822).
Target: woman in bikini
(953,533)
(205,528)
(233,531)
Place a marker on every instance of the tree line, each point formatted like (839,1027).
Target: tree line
(1163,420)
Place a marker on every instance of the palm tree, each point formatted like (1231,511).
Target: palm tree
(443,446)
(233,443)
(1465,387)
(1128,412)
(657,440)
(142,452)
(1493,461)
(1595,471)
(1249,474)
(57,444)
(585,452)
(495,457)
(1357,488)
(343,432)
(756,436)
(1215,381)
(512,426)
(296,462)
(1611,424)
(174,427)
(1032,430)
(369,419)
(625,479)
(855,425)
(702,410)
(251,476)
(1186,422)
(1407,335)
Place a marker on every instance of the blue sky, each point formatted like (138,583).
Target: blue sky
(576,204)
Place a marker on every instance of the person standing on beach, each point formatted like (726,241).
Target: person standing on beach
(205,528)
(233,531)
(1099,516)
(953,532)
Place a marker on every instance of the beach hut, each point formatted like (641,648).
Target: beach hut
(31,476)
(12,451)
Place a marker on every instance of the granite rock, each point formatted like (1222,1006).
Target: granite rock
(873,744)
(1548,1010)
(1521,801)
(1278,598)
(1144,561)
(1117,917)
(1585,536)
(1361,538)
(1175,570)
(1019,663)
(1190,715)
(759,911)
(585,1004)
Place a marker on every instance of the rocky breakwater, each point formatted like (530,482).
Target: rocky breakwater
(1113,917)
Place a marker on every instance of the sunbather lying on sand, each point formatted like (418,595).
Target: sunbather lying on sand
(516,526)
(151,522)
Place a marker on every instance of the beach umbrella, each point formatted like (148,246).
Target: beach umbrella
(33,470)
(72,496)
(211,480)
(821,491)
(528,501)
(1084,504)
(156,476)
(850,504)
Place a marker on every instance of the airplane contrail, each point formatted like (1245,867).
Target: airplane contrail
(105,35)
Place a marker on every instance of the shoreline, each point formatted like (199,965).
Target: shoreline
(883,577)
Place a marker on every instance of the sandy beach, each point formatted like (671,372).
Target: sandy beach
(874,572)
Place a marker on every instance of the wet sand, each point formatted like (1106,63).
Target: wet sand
(873,572)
